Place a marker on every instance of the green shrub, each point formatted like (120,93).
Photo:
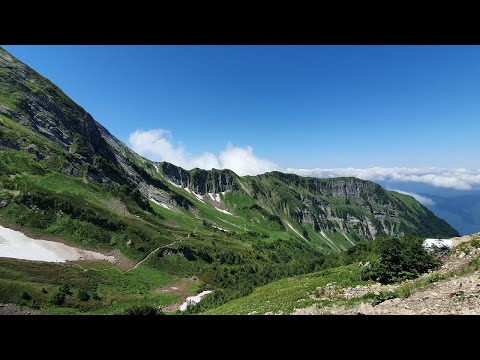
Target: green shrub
(25,295)
(405,291)
(142,310)
(383,296)
(58,298)
(65,289)
(436,277)
(82,295)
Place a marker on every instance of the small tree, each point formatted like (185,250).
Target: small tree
(58,298)
(26,296)
(64,289)
(82,295)
(399,259)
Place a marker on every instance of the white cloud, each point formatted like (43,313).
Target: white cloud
(244,162)
(158,145)
(421,199)
(459,179)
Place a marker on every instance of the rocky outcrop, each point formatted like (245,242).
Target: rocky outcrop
(199,180)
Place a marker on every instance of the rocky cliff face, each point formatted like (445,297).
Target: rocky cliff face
(344,206)
(199,180)
(36,102)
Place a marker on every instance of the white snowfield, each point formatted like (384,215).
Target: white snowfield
(198,196)
(178,186)
(291,227)
(441,243)
(223,211)
(160,204)
(216,197)
(193,300)
(16,245)
(219,228)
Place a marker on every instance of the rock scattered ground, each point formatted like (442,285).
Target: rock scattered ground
(10,309)
(458,295)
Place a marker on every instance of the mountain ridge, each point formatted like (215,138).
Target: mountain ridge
(87,140)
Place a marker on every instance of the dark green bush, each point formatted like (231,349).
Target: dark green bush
(142,310)
(82,295)
(65,289)
(383,296)
(58,298)
(26,296)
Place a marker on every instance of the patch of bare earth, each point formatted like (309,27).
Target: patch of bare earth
(458,296)
(118,206)
(11,309)
(121,261)
(181,287)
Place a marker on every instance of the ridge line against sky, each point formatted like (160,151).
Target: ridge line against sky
(159,145)
(361,111)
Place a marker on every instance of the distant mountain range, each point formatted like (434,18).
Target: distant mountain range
(461,211)
(460,208)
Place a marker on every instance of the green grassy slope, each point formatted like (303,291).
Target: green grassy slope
(286,295)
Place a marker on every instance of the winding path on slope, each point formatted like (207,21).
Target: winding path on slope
(161,247)
(143,260)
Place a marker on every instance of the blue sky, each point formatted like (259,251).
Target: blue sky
(296,106)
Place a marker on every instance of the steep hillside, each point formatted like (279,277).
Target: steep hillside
(63,175)
(451,289)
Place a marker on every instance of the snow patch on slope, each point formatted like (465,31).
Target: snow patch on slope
(160,204)
(198,196)
(348,239)
(14,244)
(291,227)
(330,242)
(193,300)
(223,211)
(178,186)
(219,228)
